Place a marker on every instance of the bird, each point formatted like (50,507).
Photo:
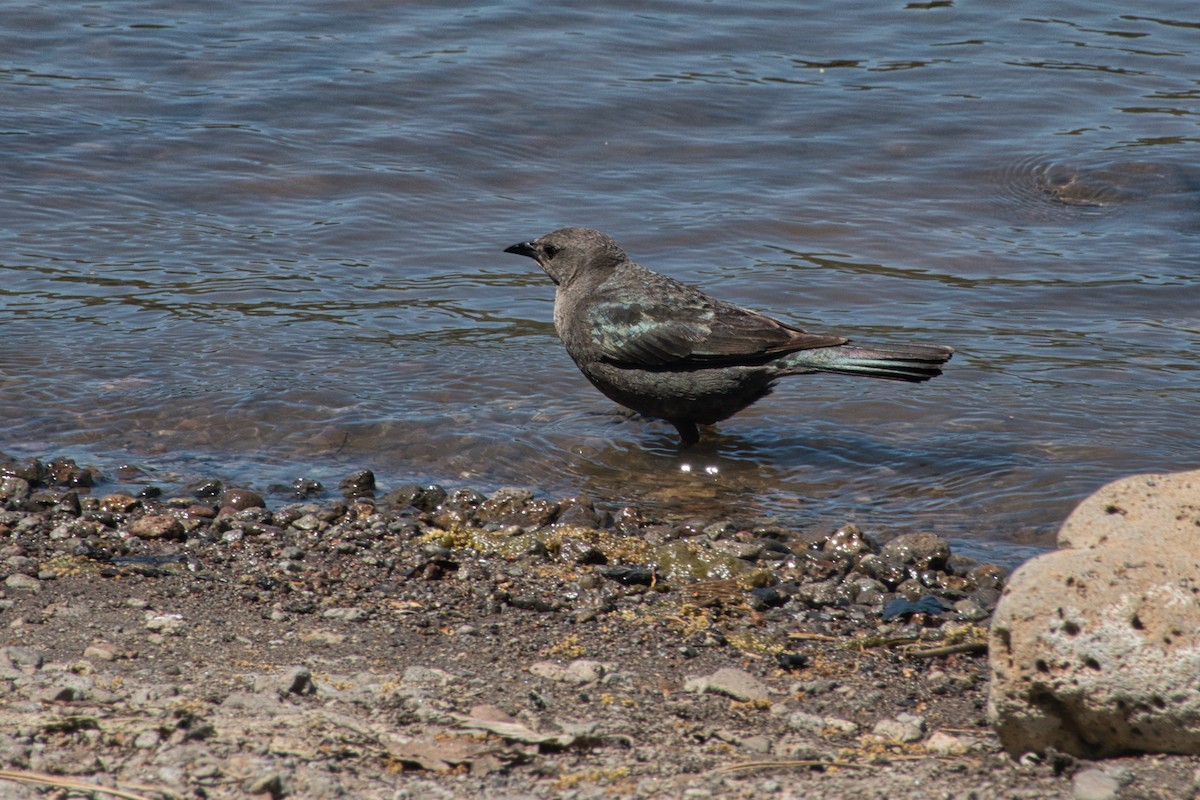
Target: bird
(669,351)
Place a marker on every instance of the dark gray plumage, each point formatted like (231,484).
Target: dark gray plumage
(668,350)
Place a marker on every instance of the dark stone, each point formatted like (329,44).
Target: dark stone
(65,472)
(577,551)
(423,498)
(360,484)
(925,551)
(767,597)
(516,507)
(303,488)
(242,499)
(635,575)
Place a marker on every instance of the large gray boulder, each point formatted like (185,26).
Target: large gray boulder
(1095,648)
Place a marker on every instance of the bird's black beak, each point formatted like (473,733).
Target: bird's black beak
(523,249)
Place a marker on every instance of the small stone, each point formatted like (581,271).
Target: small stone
(147,740)
(904,728)
(578,672)
(241,499)
(944,744)
(297,680)
(165,624)
(351,614)
(157,526)
(119,503)
(756,744)
(321,637)
(23,583)
(848,540)
(428,676)
(308,522)
(360,484)
(100,652)
(732,682)
(424,498)
(821,726)
(489,713)
(270,783)
(1094,784)
(920,550)
(13,489)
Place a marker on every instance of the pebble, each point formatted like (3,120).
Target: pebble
(1094,784)
(23,583)
(904,728)
(157,526)
(818,725)
(352,614)
(944,744)
(100,652)
(579,672)
(732,682)
(298,680)
(362,568)
(241,499)
(165,624)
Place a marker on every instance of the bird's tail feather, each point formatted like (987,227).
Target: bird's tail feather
(902,362)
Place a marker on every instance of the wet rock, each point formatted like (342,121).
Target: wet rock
(157,526)
(732,682)
(119,503)
(30,469)
(901,607)
(516,507)
(631,575)
(849,541)
(242,499)
(987,577)
(923,551)
(1093,648)
(65,472)
(825,593)
(578,551)
(579,514)
(13,490)
(360,484)
(767,597)
(423,498)
(303,488)
(208,489)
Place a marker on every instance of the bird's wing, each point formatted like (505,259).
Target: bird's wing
(651,333)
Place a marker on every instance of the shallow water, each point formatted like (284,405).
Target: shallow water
(263,241)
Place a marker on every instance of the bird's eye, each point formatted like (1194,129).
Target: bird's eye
(550,250)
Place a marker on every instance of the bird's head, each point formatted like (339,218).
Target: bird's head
(568,254)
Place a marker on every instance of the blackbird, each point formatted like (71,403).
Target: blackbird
(667,350)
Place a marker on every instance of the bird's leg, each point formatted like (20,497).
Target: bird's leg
(689,434)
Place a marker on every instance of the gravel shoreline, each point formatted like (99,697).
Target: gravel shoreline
(417,642)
